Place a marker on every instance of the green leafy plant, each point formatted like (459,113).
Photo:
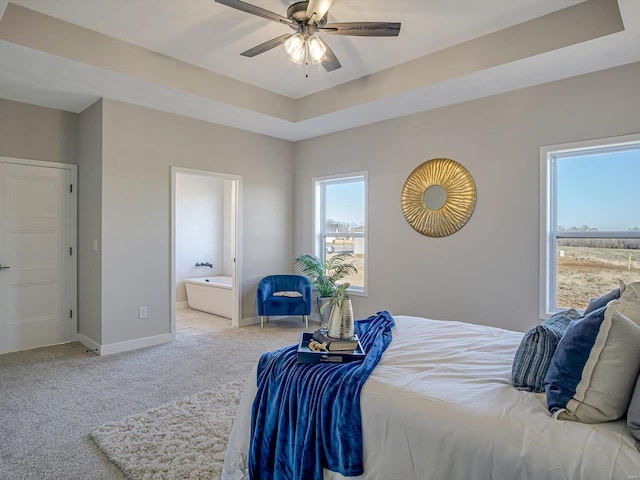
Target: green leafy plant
(338,296)
(324,274)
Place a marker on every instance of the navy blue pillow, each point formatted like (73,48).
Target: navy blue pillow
(565,372)
(596,303)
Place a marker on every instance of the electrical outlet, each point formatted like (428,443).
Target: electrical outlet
(142,312)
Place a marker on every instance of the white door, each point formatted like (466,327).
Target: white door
(35,256)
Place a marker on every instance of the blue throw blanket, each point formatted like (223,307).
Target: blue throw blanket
(307,416)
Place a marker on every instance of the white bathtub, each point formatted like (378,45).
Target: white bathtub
(211,294)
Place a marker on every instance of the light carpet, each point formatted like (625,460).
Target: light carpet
(185,439)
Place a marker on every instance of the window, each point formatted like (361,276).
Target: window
(341,222)
(590,220)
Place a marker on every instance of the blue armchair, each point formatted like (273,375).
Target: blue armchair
(282,303)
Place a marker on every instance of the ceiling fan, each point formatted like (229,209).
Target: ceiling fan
(308,18)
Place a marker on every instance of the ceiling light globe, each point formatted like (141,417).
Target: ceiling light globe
(298,55)
(317,49)
(294,42)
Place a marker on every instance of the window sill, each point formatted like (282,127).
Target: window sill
(357,293)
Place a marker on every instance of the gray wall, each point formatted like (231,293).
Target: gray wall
(488,271)
(485,273)
(37,133)
(139,147)
(90,222)
(125,154)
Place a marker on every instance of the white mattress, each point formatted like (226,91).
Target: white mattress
(440,405)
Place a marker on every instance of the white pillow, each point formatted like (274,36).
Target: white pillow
(287,293)
(633,414)
(630,308)
(629,302)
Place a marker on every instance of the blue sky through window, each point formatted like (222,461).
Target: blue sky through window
(345,202)
(599,190)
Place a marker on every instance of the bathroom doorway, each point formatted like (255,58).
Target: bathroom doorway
(205,243)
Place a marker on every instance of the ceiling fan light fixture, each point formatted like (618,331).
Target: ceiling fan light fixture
(296,48)
(317,49)
(294,43)
(308,17)
(299,55)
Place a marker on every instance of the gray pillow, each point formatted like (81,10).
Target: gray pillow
(533,356)
(633,414)
(596,303)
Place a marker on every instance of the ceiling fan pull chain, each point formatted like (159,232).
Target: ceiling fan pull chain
(306,59)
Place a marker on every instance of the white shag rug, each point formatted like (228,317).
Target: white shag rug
(185,439)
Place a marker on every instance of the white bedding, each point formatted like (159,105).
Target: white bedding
(440,405)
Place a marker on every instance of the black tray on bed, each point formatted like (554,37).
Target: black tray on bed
(306,355)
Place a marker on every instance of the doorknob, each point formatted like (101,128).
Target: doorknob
(3,268)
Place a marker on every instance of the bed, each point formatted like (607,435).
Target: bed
(440,405)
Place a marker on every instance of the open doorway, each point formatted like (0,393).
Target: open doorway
(205,246)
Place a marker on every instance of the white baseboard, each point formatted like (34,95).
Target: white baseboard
(87,342)
(247,322)
(135,344)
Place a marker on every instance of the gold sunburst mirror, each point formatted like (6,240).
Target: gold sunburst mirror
(438,197)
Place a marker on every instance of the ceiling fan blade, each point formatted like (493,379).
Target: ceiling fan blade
(319,8)
(252,9)
(266,46)
(331,63)
(363,29)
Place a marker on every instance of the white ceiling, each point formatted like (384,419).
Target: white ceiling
(376,82)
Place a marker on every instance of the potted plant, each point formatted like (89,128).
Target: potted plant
(324,275)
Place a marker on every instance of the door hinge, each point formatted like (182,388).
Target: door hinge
(71,188)
(70,313)
(70,250)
